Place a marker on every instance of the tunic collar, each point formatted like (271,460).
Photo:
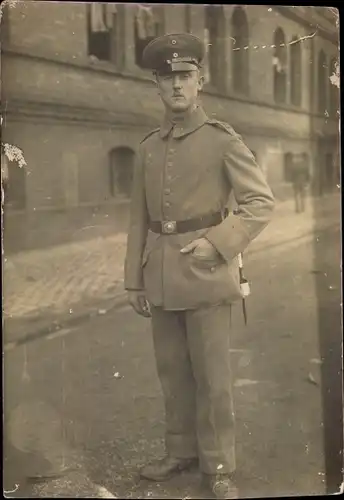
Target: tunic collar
(189,124)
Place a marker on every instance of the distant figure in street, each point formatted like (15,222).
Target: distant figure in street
(182,268)
(300,179)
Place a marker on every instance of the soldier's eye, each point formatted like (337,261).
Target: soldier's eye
(166,78)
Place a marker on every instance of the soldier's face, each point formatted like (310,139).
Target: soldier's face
(179,90)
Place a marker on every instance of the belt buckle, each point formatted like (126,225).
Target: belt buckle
(169,227)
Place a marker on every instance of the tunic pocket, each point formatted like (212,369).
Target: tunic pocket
(216,277)
(206,263)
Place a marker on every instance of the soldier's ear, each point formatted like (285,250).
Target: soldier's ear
(200,82)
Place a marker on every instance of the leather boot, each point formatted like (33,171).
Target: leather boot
(222,486)
(167,467)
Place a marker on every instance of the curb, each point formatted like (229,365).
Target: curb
(120,299)
(309,234)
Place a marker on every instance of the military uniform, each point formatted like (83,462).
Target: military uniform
(184,176)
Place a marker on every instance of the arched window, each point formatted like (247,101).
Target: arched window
(121,171)
(322,82)
(295,71)
(240,56)
(148,24)
(213,16)
(279,63)
(333,89)
(288,167)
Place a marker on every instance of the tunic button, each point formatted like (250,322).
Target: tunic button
(212,269)
(167,191)
(169,164)
(171,151)
(167,204)
(168,178)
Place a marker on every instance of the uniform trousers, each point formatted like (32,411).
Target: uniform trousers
(193,364)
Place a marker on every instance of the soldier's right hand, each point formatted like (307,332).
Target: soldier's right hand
(137,299)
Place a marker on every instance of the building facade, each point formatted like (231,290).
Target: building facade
(77,102)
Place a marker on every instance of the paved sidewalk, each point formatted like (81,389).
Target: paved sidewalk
(57,280)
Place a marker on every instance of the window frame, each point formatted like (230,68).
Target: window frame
(280,48)
(115,190)
(240,86)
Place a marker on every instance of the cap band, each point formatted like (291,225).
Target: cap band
(178,64)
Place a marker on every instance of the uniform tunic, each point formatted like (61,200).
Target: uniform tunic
(184,171)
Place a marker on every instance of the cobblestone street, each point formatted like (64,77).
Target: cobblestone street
(84,407)
(130,118)
(60,277)
(55,280)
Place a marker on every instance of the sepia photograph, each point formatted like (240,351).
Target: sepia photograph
(171,250)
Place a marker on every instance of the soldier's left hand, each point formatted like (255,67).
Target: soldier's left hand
(201,248)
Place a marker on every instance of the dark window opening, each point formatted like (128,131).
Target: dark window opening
(288,167)
(297,169)
(188,11)
(279,63)
(322,82)
(295,72)
(213,16)
(148,24)
(99,32)
(5,25)
(306,167)
(240,55)
(121,171)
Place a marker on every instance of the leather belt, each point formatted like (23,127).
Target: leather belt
(185,226)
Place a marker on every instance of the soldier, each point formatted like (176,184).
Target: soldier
(181,265)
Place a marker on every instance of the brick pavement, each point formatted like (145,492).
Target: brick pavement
(58,279)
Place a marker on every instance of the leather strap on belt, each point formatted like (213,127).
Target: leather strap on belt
(185,226)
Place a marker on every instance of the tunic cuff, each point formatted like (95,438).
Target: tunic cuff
(230,238)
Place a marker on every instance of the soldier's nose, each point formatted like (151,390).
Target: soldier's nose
(176,82)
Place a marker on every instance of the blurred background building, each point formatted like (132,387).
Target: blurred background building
(76,100)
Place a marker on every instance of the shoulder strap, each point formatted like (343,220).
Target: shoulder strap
(150,133)
(223,126)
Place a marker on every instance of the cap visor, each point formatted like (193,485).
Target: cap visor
(183,66)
